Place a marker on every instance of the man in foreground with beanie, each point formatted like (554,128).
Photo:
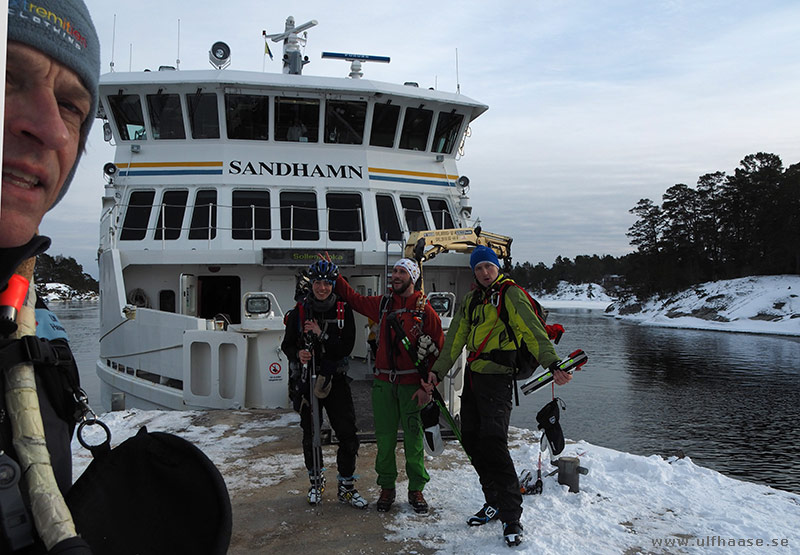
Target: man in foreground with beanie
(486,399)
(398,390)
(52,72)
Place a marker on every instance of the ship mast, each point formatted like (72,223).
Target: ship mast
(293,59)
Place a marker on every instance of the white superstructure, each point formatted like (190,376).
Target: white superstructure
(224,185)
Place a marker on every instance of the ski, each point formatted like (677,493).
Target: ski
(573,362)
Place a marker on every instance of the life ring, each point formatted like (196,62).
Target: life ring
(137,297)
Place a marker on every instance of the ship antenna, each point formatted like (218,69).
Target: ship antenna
(458,82)
(355,61)
(178,59)
(130,58)
(293,59)
(113,41)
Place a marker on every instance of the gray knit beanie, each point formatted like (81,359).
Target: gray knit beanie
(63,30)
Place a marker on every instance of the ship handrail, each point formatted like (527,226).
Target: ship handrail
(116,225)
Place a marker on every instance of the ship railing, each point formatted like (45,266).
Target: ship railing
(116,231)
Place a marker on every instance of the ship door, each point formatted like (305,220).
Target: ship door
(219,295)
(188,294)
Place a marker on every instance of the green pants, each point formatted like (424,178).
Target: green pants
(392,405)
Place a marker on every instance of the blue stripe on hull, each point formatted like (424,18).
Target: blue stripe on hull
(409,180)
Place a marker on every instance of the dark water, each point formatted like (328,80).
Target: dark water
(729,401)
(81,319)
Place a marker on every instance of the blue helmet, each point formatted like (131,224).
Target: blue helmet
(323,270)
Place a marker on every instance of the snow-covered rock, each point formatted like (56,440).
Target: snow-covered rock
(571,295)
(54,292)
(756,304)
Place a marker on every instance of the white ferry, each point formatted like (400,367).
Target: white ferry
(226,184)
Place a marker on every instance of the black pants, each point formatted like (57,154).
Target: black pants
(486,403)
(342,416)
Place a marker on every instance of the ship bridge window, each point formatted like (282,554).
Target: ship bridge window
(204,215)
(250,207)
(388,223)
(247,116)
(170,216)
(345,217)
(166,117)
(447,126)
(344,122)
(297,119)
(441,214)
(127,111)
(416,127)
(384,125)
(134,227)
(203,115)
(299,216)
(415,217)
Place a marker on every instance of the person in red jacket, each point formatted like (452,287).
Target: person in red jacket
(399,390)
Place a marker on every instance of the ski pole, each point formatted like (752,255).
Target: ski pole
(573,362)
(316,441)
(537,487)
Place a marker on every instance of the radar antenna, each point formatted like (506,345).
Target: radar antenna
(355,61)
(293,60)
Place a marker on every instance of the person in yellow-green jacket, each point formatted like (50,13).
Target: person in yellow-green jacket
(486,399)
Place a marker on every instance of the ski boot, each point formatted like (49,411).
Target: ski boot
(486,514)
(417,502)
(316,489)
(512,533)
(385,500)
(349,494)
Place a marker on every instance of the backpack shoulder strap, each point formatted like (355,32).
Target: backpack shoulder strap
(537,308)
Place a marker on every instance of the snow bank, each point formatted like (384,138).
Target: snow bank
(757,304)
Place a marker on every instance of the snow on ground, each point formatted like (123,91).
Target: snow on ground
(627,503)
(54,292)
(570,295)
(756,304)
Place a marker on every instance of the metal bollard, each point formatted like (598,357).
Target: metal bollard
(569,471)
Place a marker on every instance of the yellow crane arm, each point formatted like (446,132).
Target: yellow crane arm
(425,245)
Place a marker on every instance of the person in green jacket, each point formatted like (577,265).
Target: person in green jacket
(486,399)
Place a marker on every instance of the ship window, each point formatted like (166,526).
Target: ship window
(166,300)
(384,125)
(416,127)
(299,216)
(297,119)
(137,216)
(415,217)
(345,217)
(344,122)
(247,116)
(170,216)
(127,110)
(387,218)
(441,215)
(248,205)
(166,117)
(447,126)
(203,115)
(204,215)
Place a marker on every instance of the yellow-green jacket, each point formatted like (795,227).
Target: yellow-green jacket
(472,329)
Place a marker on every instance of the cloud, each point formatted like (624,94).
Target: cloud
(592,105)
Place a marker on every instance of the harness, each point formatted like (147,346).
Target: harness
(399,336)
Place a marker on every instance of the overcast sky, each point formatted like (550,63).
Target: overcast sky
(592,104)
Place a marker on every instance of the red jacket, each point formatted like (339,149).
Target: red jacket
(371,308)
